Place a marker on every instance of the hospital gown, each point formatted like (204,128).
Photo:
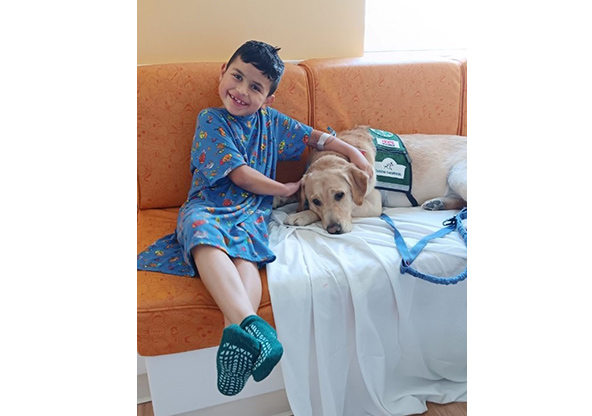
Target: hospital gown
(217,212)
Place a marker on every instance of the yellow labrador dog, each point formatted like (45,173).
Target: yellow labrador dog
(336,190)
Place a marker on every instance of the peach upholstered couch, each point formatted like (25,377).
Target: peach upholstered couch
(402,93)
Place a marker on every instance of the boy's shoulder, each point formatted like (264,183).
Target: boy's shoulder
(223,114)
(271,113)
(212,112)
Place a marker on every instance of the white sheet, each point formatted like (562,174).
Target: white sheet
(360,338)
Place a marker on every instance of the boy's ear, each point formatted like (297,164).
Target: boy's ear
(269,100)
(222,70)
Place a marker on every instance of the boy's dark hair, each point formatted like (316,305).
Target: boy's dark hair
(264,57)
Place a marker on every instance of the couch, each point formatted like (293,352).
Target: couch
(402,93)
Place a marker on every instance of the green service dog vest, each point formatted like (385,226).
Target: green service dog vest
(392,163)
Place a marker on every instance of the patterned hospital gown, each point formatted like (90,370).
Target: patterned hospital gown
(217,212)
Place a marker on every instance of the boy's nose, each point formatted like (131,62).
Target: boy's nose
(242,89)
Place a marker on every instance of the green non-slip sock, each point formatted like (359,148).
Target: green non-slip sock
(236,358)
(271,348)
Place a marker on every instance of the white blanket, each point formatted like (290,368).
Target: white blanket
(359,337)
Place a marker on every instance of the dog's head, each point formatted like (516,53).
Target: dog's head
(333,187)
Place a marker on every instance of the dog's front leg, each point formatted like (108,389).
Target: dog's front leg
(305,217)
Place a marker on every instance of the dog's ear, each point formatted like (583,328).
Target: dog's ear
(358,180)
(301,196)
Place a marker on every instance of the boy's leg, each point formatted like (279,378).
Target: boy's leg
(222,279)
(238,351)
(271,348)
(251,279)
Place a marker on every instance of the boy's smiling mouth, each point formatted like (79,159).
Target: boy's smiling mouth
(236,100)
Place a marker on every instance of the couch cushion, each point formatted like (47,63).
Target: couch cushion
(175,313)
(169,98)
(423,96)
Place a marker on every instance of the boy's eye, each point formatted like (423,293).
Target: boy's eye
(256,88)
(237,76)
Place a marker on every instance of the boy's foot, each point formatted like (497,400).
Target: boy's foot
(271,348)
(236,359)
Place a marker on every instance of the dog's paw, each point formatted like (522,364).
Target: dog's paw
(434,205)
(301,218)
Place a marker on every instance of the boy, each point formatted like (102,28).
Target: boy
(222,227)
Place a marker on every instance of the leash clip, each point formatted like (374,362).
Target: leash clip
(450,222)
(404,266)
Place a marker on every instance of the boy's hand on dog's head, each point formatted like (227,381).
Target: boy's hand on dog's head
(358,159)
(290,189)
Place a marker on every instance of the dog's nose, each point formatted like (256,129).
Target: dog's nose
(334,228)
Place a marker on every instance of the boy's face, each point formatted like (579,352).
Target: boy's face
(243,88)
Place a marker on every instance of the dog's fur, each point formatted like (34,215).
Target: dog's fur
(336,190)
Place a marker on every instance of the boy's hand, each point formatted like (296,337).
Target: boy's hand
(291,189)
(358,159)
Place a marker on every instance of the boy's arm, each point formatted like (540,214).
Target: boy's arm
(335,144)
(257,183)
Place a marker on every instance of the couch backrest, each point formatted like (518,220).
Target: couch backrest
(402,95)
(170,96)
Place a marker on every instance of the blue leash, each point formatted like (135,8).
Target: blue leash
(409,256)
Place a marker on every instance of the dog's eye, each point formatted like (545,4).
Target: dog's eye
(317,202)
(338,196)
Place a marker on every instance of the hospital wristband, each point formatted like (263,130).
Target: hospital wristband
(322,141)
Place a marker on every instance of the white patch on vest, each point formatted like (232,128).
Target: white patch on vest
(388,167)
